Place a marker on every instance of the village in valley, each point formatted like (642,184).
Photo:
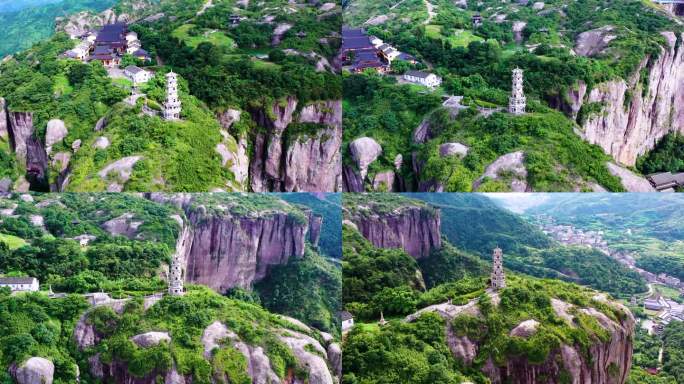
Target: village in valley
(659,307)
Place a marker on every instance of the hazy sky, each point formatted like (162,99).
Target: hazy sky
(518,202)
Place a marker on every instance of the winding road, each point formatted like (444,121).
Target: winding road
(430,10)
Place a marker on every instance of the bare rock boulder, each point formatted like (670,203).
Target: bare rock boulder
(453,149)
(35,370)
(120,169)
(364,151)
(124,225)
(593,42)
(630,181)
(150,339)
(335,358)
(525,329)
(56,132)
(101,142)
(511,164)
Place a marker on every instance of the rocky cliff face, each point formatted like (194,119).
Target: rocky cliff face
(412,228)
(228,251)
(223,250)
(304,163)
(20,129)
(83,22)
(605,362)
(320,360)
(29,149)
(635,116)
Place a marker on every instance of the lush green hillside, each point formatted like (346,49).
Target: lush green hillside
(377,107)
(476,63)
(221,67)
(650,226)
(114,263)
(130,248)
(418,352)
(23,23)
(307,289)
(391,281)
(473,222)
(37,326)
(328,206)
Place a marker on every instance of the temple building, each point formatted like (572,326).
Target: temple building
(517,101)
(172,105)
(497,279)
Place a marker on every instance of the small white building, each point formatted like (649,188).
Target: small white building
(133,46)
(347,321)
(653,304)
(377,42)
(423,78)
(137,75)
(20,284)
(389,52)
(91,37)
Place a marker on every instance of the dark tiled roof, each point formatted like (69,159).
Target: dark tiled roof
(344,315)
(17,280)
(141,52)
(406,57)
(102,50)
(362,42)
(103,57)
(665,179)
(352,32)
(134,69)
(112,32)
(419,74)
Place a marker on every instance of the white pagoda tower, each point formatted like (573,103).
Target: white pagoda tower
(498,279)
(176,277)
(172,105)
(517,101)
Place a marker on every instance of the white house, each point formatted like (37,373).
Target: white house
(423,78)
(347,321)
(377,42)
(20,284)
(131,36)
(92,36)
(137,75)
(133,46)
(389,52)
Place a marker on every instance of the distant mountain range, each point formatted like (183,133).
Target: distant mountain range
(25,22)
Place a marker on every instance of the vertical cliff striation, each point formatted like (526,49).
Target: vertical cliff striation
(416,229)
(605,362)
(288,161)
(229,251)
(637,112)
(222,247)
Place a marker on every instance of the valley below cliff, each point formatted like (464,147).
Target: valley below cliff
(609,83)
(249,121)
(438,311)
(108,312)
